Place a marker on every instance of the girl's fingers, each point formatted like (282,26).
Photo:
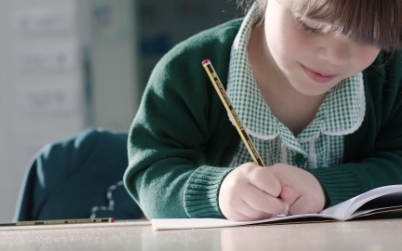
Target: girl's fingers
(241,211)
(251,213)
(266,204)
(287,194)
(305,205)
(297,207)
(265,180)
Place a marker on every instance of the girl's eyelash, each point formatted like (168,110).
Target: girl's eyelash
(305,27)
(312,30)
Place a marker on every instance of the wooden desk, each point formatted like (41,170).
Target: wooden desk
(367,235)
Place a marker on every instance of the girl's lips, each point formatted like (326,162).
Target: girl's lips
(318,77)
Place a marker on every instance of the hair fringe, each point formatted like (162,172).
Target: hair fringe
(366,21)
(375,22)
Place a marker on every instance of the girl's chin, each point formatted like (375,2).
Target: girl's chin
(312,91)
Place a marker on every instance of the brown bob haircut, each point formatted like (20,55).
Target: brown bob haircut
(375,22)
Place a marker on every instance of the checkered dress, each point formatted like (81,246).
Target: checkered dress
(321,144)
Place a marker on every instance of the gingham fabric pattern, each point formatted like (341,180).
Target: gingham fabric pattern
(320,144)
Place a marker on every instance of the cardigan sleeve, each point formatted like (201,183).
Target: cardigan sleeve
(181,139)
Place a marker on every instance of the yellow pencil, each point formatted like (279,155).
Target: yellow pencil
(232,112)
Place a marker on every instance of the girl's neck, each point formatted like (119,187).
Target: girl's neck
(292,108)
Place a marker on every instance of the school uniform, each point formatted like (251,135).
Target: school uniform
(182,143)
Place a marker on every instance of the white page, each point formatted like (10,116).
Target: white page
(196,223)
(347,208)
(363,198)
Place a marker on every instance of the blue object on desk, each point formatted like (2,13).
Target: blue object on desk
(79,177)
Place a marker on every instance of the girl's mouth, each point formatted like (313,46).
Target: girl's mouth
(318,77)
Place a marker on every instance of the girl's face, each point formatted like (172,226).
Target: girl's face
(312,60)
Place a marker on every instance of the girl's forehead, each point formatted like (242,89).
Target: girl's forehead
(305,6)
(319,10)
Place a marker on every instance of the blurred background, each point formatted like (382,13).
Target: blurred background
(67,65)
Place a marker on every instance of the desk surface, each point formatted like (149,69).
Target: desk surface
(368,235)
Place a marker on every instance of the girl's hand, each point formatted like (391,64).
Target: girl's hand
(251,192)
(309,196)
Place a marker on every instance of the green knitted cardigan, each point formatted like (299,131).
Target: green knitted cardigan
(181,141)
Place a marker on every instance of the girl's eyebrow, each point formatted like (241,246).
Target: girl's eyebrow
(299,9)
(306,11)
(322,25)
(318,21)
(304,16)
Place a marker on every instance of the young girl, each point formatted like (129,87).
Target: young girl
(317,84)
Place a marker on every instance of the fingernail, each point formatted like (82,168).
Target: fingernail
(287,209)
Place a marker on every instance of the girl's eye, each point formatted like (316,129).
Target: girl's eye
(316,29)
(312,30)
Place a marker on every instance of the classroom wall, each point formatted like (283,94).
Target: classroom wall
(163,24)
(40,85)
(114,63)
(66,65)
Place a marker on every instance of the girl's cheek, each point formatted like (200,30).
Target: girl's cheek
(297,43)
(367,56)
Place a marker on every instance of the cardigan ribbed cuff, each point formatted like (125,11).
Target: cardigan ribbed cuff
(202,190)
(339,183)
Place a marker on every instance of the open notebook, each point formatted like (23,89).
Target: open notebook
(378,200)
